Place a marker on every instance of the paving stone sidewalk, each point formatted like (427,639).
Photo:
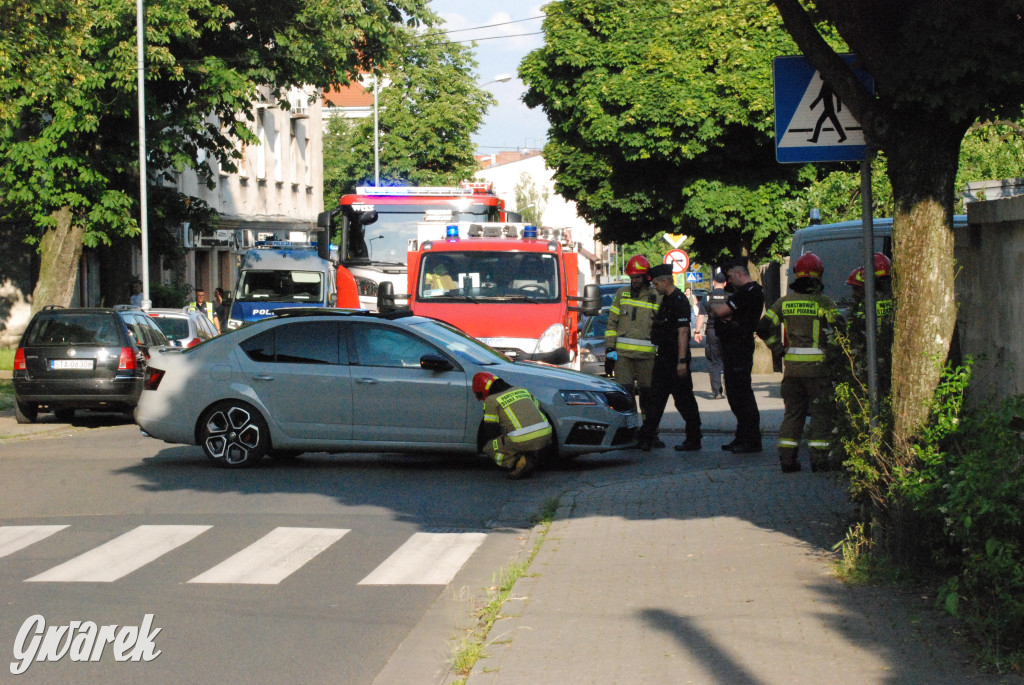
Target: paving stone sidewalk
(714,576)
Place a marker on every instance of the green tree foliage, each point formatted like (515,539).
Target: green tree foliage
(991,150)
(530,200)
(68,99)
(427,115)
(661,120)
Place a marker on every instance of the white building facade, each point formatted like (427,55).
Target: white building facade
(276,192)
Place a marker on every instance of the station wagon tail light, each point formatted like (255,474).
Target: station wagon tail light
(19,359)
(193,342)
(127,360)
(153,378)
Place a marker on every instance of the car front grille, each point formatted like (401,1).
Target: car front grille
(620,402)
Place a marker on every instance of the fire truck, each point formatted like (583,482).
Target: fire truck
(377,225)
(507,284)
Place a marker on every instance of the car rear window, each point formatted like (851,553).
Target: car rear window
(174,328)
(74,329)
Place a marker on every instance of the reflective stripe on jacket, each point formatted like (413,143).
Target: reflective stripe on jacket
(524,427)
(629,322)
(797,324)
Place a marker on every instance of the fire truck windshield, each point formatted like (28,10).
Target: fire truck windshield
(503,276)
(387,239)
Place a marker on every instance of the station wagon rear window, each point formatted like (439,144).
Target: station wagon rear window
(75,329)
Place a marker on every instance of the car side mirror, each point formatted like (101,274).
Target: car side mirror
(435,362)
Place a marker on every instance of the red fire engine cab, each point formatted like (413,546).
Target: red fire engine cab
(502,284)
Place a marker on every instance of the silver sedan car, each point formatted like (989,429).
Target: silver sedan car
(334,380)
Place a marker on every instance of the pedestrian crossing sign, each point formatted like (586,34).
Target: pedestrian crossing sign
(811,122)
(694,277)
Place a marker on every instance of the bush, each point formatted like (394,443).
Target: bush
(169,296)
(953,514)
(973,488)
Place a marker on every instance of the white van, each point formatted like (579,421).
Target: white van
(840,248)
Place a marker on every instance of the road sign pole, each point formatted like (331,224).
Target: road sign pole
(870,318)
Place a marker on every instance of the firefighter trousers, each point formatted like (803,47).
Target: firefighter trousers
(634,374)
(803,397)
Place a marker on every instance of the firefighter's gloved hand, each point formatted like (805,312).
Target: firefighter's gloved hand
(613,355)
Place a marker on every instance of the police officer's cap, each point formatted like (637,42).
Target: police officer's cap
(660,270)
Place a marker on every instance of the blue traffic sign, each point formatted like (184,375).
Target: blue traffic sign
(694,277)
(811,123)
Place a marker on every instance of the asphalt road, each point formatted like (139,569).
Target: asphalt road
(277,574)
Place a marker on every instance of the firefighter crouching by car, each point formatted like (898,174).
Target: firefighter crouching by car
(515,428)
(806,317)
(628,334)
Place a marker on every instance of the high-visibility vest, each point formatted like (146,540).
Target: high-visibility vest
(208,306)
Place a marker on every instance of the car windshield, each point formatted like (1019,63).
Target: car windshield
(74,329)
(459,344)
(280,286)
(175,328)
(502,276)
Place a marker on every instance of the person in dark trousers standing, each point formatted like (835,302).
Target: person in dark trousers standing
(221,308)
(706,333)
(735,322)
(671,333)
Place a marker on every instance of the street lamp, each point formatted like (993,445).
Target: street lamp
(500,78)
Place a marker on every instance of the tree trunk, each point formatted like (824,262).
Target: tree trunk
(922,168)
(60,250)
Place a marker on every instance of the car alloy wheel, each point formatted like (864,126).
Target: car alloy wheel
(234,435)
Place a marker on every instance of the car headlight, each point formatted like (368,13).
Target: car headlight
(552,338)
(581,397)
(588,357)
(366,287)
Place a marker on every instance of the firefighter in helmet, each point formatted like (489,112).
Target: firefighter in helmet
(515,428)
(856,330)
(799,325)
(628,334)
(883,286)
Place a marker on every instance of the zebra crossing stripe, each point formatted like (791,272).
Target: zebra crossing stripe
(121,556)
(426,559)
(273,557)
(13,538)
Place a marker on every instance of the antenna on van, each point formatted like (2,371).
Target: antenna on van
(815,216)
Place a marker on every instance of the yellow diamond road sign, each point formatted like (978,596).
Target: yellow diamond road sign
(674,239)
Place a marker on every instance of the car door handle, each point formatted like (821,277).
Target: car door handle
(367,381)
(263,377)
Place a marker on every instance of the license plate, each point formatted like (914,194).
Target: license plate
(71,364)
(633,421)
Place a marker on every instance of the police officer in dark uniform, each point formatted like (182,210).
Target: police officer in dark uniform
(671,333)
(735,322)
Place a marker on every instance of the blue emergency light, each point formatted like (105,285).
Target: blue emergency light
(452,231)
(529,231)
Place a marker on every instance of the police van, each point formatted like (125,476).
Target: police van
(840,247)
(281,274)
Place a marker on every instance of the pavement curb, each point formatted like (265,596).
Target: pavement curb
(502,635)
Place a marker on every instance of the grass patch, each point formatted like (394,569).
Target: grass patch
(472,647)
(7,358)
(6,394)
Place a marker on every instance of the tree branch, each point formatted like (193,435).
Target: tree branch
(833,69)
